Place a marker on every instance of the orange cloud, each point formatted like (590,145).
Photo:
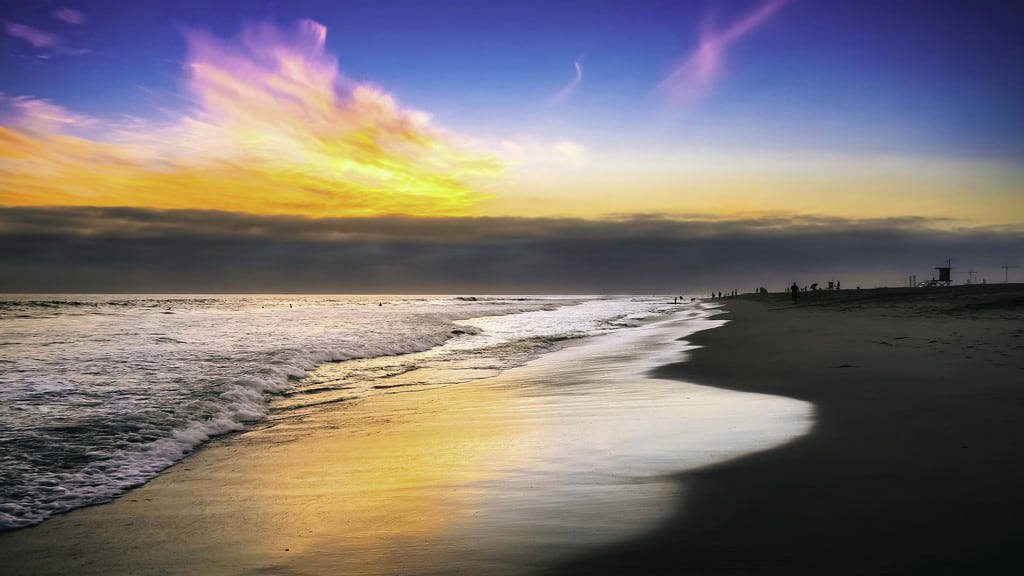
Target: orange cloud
(271,132)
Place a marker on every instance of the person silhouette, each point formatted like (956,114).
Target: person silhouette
(795,290)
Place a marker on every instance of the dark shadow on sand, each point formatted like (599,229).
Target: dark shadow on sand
(912,467)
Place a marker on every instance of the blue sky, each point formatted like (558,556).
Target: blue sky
(927,76)
(926,81)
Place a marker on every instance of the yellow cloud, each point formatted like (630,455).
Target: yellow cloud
(271,133)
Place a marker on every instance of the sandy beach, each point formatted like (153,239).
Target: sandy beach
(913,465)
(858,432)
(511,474)
(379,288)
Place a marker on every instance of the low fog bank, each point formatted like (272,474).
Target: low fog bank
(139,250)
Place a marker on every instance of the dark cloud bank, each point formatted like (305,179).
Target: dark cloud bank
(138,250)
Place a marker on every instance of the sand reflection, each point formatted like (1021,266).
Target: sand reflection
(499,476)
(380,491)
(511,474)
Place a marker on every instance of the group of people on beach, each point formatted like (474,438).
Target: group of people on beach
(795,290)
(732,293)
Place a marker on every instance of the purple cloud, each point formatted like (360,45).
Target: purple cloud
(697,73)
(69,15)
(33,36)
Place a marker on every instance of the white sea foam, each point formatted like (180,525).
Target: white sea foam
(99,394)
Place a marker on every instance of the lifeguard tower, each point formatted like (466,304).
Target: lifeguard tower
(945,274)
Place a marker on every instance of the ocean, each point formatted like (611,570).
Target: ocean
(99,393)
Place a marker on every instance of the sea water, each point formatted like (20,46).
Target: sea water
(99,393)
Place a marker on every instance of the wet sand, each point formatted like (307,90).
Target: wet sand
(914,464)
(570,453)
(581,462)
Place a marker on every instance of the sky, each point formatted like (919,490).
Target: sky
(895,126)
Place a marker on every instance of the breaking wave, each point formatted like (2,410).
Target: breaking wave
(100,394)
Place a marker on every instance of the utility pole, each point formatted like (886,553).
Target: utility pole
(1006,273)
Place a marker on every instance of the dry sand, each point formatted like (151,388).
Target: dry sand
(915,464)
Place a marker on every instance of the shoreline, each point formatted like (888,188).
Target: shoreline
(509,474)
(910,464)
(913,464)
(235,387)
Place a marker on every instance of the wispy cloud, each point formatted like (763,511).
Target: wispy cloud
(698,72)
(70,16)
(529,151)
(570,88)
(39,115)
(271,130)
(37,38)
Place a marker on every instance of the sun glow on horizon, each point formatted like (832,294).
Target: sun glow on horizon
(271,132)
(273,126)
